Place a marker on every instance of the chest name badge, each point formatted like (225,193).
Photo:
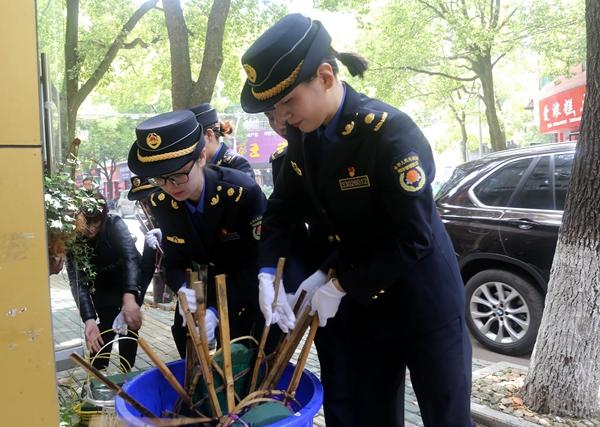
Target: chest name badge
(176,239)
(355,182)
(226,236)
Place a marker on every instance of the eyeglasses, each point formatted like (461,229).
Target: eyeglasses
(175,178)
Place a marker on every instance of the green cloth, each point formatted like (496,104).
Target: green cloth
(265,414)
(242,359)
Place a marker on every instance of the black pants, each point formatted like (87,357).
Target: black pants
(127,347)
(363,365)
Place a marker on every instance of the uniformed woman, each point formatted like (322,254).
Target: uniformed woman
(217,152)
(358,172)
(111,300)
(208,215)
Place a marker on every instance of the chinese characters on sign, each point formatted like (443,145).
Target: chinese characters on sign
(259,146)
(562,111)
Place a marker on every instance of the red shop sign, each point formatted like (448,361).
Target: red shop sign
(562,111)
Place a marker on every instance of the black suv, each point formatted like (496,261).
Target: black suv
(503,213)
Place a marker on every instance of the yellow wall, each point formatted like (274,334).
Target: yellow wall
(28,391)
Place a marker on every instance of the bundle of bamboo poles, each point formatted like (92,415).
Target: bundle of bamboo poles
(199,363)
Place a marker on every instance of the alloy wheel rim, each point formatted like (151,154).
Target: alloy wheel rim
(499,312)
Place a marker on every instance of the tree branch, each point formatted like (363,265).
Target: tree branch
(110,55)
(213,52)
(430,73)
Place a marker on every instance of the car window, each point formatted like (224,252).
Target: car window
(563,164)
(536,193)
(497,188)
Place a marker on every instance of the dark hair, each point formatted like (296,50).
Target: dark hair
(356,64)
(87,178)
(99,213)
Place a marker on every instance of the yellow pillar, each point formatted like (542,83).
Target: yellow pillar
(28,391)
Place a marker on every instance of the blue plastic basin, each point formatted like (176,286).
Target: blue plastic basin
(154,392)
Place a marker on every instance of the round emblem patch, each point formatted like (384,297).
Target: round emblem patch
(412,180)
(136,182)
(250,72)
(153,140)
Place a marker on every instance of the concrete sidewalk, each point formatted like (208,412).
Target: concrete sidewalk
(156,329)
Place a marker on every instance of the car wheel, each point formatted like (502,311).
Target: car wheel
(503,311)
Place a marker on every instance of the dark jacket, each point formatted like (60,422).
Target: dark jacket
(371,214)
(228,158)
(227,240)
(117,264)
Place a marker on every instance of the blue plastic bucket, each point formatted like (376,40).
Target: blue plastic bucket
(155,393)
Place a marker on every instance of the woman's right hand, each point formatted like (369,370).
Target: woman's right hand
(92,336)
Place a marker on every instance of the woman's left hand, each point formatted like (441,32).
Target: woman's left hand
(131,312)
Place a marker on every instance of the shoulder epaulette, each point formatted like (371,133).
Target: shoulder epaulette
(372,120)
(160,198)
(281,150)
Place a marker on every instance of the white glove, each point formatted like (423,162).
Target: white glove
(211,321)
(119,325)
(310,285)
(326,302)
(190,295)
(153,238)
(282,314)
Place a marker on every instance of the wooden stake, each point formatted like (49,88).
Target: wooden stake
(225,339)
(287,351)
(127,397)
(204,364)
(260,355)
(166,372)
(303,357)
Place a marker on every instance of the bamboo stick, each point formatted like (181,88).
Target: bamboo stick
(303,357)
(204,364)
(126,396)
(287,351)
(225,339)
(190,353)
(260,355)
(166,372)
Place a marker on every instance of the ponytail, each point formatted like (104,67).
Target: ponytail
(356,64)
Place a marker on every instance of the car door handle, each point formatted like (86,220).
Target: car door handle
(523,223)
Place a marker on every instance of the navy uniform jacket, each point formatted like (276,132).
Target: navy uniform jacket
(228,158)
(371,215)
(227,241)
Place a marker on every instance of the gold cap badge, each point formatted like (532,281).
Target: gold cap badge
(250,72)
(153,140)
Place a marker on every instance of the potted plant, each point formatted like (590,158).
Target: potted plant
(65,203)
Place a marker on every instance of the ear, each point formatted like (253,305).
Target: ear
(326,75)
(202,158)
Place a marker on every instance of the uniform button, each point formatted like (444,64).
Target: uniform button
(337,238)
(374,297)
(331,238)
(212,264)
(381,291)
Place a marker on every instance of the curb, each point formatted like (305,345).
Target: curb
(489,417)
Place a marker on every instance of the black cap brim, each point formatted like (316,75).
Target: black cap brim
(162,167)
(317,52)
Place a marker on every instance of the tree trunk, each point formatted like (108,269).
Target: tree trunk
(484,69)
(213,53)
(461,118)
(181,73)
(71,65)
(564,375)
